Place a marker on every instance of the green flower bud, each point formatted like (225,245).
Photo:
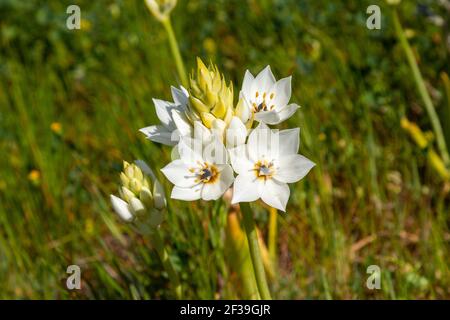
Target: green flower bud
(137,207)
(146,197)
(161,8)
(126,194)
(141,195)
(210,97)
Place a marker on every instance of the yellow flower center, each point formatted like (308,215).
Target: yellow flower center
(262,103)
(264,169)
(207,173)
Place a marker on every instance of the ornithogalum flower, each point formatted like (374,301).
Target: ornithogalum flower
(201,172)
(141,195)
(173,119)
(266,164)
(161,8)
(266,98)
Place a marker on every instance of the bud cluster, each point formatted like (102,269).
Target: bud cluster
(140,197)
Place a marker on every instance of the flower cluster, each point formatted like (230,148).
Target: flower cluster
(216,146)
(141,195)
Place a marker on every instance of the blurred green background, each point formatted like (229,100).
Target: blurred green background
(71,104)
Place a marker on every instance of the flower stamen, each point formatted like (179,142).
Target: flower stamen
(264,169)
(208,173)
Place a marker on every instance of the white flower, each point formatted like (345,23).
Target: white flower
(161,8)
(266,164)
(202,172)
(172,115)
(267,98)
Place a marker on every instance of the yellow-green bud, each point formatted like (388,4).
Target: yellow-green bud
(137,207)
(209,95)
(126,194)
(146,197)
(141,194)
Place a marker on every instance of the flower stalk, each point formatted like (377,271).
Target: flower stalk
(422,90)
(273,233)
(158,245)
(175,51)
(255,253)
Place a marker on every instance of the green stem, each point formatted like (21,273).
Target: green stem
(422,90)
(176,51)
(255,253)
(273,235)
(165,259)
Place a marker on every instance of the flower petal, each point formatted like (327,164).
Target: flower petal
(215,152)
(201,132)
(213,191)
(292,168)
(275,194)
(263,81)
(269,117)
(187,194)
(177,172)
(282,91)
(261,142)
(180,96)
(218,128)
(289,141)
(247,83)
(243,108)
(160,134)
(190,151)
(239,160)
(246,188)
(236,133)
(163,111)
(287,112)
(181,122)
(121,208)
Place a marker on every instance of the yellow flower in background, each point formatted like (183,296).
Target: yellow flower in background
(34,176)
(86,24)
(89,226)
(423,140)
(56,127)
(210,46)
(322,136)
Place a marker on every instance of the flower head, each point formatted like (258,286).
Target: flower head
(173,119)
(266,98)
(211,99)
(201,172)
(141,194)
(161,8)
(266,164)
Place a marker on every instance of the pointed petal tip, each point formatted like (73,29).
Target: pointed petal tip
(121,208)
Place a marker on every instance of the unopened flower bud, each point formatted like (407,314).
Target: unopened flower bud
(141,195)
(161,8)
(210,97)
(137,207)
